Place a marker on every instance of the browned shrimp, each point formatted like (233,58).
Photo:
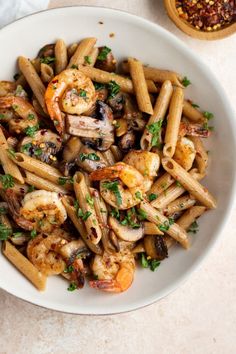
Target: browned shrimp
(193,130)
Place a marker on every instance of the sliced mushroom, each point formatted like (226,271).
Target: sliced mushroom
(127,141)
(131,111)
(117,102)
(44,145)
(155,247)
(90,160)
(106,64)
(125,233)
(46,51)
(73,249)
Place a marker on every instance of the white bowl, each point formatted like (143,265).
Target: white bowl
(136,37)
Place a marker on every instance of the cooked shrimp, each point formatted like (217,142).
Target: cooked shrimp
(193,130)
(44,210)
(185,153)
(113,192)
(7,87)
(27,117)
(146,162)
(115,272)
(43,252)
(70,91)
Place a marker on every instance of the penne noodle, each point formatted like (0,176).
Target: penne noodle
(72,149)
(109,157)
(159,113)
(140,86)
(151,229)
(86,204)
(8,165)
(179,204)
(33,80)
(71,49)
(186,220)
(41,183)
(92,57)
(36,64)
(189,183)
(46,73)
(193,114)
(24,266)
(61,56)
(201,154)
(21,81)
(151,86)
(81,51)
(157,75)
(173,230)
(161,185)
(173,122)
(68,203)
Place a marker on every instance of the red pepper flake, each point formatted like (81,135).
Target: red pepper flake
(207,15)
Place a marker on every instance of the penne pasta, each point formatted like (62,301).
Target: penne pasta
(8,165)
(71,49)
(42,183)
(24,266)
(151,229)
(60,55)
(33,80)
(118,155)
(92,57)
(109,157)
(201,154)
(46,73)
(140,86)
(189,183)
(151,86)
(173,122)
(179,204)
(86,203)
(173,230)
(159,113)
(83,49)
(161,185)
(193,114)
(186,220)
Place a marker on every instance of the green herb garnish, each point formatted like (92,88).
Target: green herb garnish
(115,213)
(33,234)
(47,60)
(113,186)
(2,116)
(130,219)
(88,59)
(17,234)
(30,131)
(90,200)
(72,287)
(74,66)
(69,269)
(152,264)
(63,180)
(113,89)
(92,156)
(7,181)
(30,189)
(138,195)
(152,197)
(11,152)
(5,232)
(103,53)
(178,184)
(83,93)
(98,86)
(83,216)
(31,116)
(142,215)
(208,115)
(186,82)
(193,227)
(155,129)
(166,225)
(194,105)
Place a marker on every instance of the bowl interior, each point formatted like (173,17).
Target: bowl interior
(156,47)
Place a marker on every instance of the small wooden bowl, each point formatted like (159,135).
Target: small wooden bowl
(191,30)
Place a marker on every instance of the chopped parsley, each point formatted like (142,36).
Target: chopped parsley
(47,60)
(186,82)
(130,219)
(63,180)
(33,234)
(38,151)
(2,116)
(194,105)
(193,227)
(113,89)
(90,200)
(3,210)
(92,156)
(98,86)
(115,213)
(103,53)
(74,66)
(178,184)
(208,115)
(113,186)
(30,189)
(83,216)
(207,127)
(7,181)
(82,93)
(17,234)
(142,215)
(31,116)
(72,287)
(30,131)
(11,152)
(88,59)
(138,195)
(152,264)
(69,269)
(5,232)
(155,129)
(152,197)
(166,225)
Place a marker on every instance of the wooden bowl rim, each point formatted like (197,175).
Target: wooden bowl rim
(193,32)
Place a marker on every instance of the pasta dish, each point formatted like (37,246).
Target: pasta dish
(101,168)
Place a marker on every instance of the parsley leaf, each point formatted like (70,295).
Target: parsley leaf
(152,196)
(113,186)
(63,180)
(178,184)
(30,131)
(33,234)
(74,66)
(155,129)
(31,116)
(115,213)
(90,200)
(152,264)
(82,93)
(103,53)
(5,232)
(98,86)
(7,181)
(3,210)
(193,227)
(138,195)
(194,105)
(11,152)
(72,287)
(208,115)
(186,82)
(83,216)
(17,234)
(69,269)
(47,60)
(30,189)
(130,219)
(88,59)
(142,215)
(92,156)
(113,88)
(166,225)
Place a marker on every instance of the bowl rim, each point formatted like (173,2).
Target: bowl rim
(228,212)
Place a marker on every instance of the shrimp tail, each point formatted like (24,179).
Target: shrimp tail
(106,285)
(110,172)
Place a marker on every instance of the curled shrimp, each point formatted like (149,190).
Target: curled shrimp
(185,153)
(115,272)
(193,130)
(26,115)
(44,210)
(113,192)
(71,92)
(43,252)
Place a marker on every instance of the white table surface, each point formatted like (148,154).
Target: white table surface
(199,317)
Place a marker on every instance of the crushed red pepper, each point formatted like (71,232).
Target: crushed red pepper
(207,15)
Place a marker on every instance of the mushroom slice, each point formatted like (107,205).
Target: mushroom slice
(105,60)
(125,233)
(155,247)
(127,141)
(90,160)
(44,145)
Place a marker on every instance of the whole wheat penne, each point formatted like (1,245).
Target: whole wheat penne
(8,165)
(161,185)
(201,154)
(173,122)
(86,204)
(46,73)
(90,60)
(122,126)
(37,167)
(36,62)
(60,55)
(160,220)
(24,266)
(118,155)
(157,75)
(190,216)
(42,183)
(159,113)
(193,114)
(189,183)
(33,80)
(179,204)
(140,86)
(109,157)
(68,203)
(151,86)
(151,229)
(71,49)
(82,50)
(72,148)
